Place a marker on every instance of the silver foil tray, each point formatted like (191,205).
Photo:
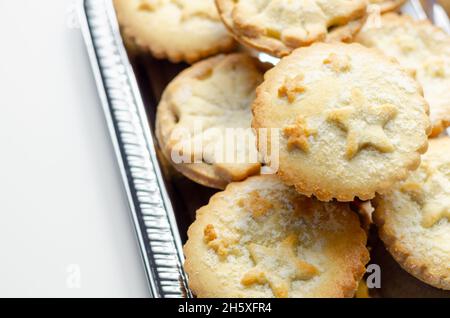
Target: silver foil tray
(150,206)
(163,202)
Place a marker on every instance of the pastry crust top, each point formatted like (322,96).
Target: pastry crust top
(423,49)
(199,107)
(279,26)
(180,30)
(260,238)
(388,5)
(351,122)
(414,219)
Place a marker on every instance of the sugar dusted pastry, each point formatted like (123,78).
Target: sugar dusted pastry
(279,26)
(414,219)
(351,121)
(180,30)
(425,51)
(260,238)
(198,108)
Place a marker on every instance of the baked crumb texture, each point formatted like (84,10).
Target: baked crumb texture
(352,121)
(260,238)
(279,26)
(178,30)
(199,106)
(424,50)
(413,219)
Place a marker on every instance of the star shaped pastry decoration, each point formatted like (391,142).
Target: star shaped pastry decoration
(435,196)
(292,87)
(298,134)
(191,9)
(149,5)
(278,267)
(364,124)
(435,67)
(221,246)
(434,211)
(188,8)
(338,63)
(256,204)
(407,43)
(431,193)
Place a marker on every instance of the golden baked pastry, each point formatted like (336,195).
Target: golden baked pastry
(424,50)
(351,121)
(260,238)
(388,5)
(414,219)
(196,111)
(279,26)
(180,30)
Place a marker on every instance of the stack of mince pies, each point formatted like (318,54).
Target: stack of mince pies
(352,112)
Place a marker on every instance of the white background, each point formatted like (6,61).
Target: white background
(64,223)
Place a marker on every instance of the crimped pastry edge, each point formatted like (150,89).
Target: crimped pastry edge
(202,173)
(344,33)
(401,254)
(437,127)
(347,290)
(390,5)
(175,56)
(325,195)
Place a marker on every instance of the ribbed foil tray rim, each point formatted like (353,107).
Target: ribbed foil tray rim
(150,207)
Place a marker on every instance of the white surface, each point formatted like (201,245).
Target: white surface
(65,229)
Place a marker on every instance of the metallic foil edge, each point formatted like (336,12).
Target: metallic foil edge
(150,206)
